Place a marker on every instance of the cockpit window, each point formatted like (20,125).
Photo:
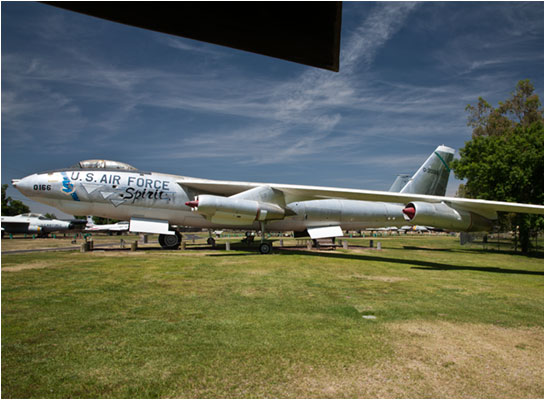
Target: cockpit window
(104,164)
(33,215)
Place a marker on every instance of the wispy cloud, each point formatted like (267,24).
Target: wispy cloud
(196,103)
(384,21)
(300,113)
(186,45)
(483,50)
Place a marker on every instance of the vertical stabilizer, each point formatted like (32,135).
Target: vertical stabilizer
(399,183)
(432,177)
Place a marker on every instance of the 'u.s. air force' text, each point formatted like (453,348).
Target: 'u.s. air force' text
(114,179)
(138,187)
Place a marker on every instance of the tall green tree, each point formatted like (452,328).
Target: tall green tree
(504,159)
(102,220)
(12,207)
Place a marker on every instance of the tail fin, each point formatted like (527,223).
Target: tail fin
(400,181)
(432,177)
(90,222)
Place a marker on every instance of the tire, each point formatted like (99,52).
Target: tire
(170,242)
(211,241)
(265,248)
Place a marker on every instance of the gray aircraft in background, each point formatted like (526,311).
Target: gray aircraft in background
(159,203)
(39,224)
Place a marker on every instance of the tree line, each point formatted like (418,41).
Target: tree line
(503,161)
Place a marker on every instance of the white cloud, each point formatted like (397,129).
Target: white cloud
(305,101)
(384,21)
(265,119)
(188,45)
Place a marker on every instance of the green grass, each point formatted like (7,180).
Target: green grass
(239,324)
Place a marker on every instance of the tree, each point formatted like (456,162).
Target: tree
(12,207)
(50,216)
(522,109)
(504,159)
(103,221)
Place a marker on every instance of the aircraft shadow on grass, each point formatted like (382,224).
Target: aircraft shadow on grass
(415,264)
(490,249)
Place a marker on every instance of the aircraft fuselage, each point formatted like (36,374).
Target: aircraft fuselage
(124,195)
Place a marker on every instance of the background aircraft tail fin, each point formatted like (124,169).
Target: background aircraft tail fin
(432,177)
(400,181)
(90,221)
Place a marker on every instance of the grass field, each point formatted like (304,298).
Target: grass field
(424,317)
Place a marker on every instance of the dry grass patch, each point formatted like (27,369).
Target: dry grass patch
(441,360)
(363,250)
(114,253)
(34,265)
(31,244)
(156,254)
(389,279)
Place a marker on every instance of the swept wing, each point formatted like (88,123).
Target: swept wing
(302,192)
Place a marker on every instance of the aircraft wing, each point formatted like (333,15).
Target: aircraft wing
(301,193)
(219,188)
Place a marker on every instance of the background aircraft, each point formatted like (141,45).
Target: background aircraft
(118,227)
(37,223)
(416,228)
(154,202)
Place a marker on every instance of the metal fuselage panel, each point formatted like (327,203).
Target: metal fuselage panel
(124,195)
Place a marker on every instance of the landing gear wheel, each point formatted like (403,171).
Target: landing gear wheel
(211,241)
(265,248)
(170,242)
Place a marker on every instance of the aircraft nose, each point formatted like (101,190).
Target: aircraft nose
(25,184)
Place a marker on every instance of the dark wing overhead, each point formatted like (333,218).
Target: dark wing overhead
(303,32)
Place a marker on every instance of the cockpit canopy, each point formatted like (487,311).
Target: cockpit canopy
(104,164)
(34,215)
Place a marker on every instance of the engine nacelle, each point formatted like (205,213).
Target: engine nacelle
(439,215)
(233,211)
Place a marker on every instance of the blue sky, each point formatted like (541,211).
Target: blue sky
(76,87)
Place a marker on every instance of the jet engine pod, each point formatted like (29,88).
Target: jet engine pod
(440,215)
(233,211)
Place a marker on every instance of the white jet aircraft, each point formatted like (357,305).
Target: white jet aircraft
(157,203)
(118,227)
(38,224)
